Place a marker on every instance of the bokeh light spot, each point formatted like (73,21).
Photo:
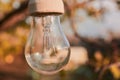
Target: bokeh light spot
(9,59)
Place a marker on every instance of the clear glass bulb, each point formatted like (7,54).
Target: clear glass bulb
(47,50)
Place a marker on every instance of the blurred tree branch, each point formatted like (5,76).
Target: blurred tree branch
(71,6)
(14,17)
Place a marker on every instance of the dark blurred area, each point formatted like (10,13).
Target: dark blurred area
(91,26)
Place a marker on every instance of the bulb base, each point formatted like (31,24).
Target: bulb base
(45,7)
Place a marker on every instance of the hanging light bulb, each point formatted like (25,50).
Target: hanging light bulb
(47,50)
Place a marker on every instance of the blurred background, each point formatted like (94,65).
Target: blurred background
(92,28)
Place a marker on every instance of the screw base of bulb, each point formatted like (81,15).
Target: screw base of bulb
(45,7)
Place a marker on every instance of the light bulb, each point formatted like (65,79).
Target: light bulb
(47,50)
